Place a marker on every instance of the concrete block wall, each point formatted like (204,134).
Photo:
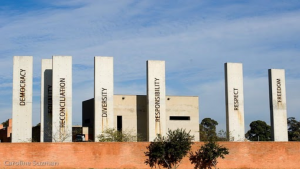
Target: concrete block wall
(185,113)
(133,109)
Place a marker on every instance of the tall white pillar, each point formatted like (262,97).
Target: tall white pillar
(234,92)
(46,100)
(104,92)
(156,95)
(277,93)
(22,99)
(62,99)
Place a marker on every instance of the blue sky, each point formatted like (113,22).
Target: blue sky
(195,38)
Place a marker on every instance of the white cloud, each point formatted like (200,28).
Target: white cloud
(194,43)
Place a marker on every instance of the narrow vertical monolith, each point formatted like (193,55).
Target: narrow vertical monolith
(46,100)
(156,95)
(278,111)
(22,99)
(62,99)
(234,92)
(103,94)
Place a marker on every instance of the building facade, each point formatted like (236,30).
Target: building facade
(130,114)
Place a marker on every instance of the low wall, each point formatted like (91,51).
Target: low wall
(131,155)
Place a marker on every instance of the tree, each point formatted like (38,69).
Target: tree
(60,134)
(293,129)
(208,129)
(259,131)
(168,151)
(207,155)
(222,136)
(113,135)
(5,124)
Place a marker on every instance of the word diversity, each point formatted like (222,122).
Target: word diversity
(104,102)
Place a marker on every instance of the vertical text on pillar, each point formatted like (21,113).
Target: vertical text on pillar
(62,102)
(236,98)
(22,86)
(278,90)
(157,99)
(104,102)
(49,99)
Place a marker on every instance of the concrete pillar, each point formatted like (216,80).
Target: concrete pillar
(22,99)
(104,94)
(156,95)
(234,92)
(62,99)
(277,95)
(46,100)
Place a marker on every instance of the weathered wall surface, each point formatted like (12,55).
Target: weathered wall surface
(182,106)
(133,109)
(131,155)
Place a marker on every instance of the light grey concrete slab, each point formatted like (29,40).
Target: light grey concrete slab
(103,94)
(234,92)
(22,99)
(62,99)
(46,100)
(278,111)
(156,94)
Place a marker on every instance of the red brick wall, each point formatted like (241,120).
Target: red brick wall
(131,155)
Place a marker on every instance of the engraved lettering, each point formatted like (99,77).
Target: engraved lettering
(157,99)
(279,90)
(62,102)
(22,87)
(104,102)
(49,99)
(236,98)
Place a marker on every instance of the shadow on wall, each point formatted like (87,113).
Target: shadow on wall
(141,108)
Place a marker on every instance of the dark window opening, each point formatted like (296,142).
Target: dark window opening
(87,121)
(180,118)
(119,123)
